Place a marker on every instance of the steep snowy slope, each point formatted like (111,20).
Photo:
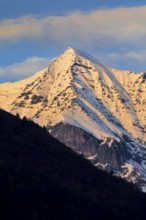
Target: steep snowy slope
(95,109)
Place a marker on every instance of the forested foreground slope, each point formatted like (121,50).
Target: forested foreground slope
(41,179)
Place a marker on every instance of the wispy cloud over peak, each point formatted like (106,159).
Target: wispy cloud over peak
(104,26)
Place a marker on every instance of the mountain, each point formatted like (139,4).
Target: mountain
(43,179)
(96,110)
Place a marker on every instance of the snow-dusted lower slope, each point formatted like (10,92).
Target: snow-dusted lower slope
(105,106)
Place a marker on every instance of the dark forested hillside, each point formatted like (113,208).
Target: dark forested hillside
(41,179)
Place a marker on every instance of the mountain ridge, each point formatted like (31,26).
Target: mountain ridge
(78,90)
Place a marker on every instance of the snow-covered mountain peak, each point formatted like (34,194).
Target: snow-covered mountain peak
(81,100)
(111,101)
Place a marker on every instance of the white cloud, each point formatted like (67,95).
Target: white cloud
(138,56)
(109,26)
(24,69)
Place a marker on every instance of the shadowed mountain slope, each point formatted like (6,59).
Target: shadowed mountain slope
(43,179)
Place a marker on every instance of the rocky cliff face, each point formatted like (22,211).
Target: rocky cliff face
(94,109)
(107,154)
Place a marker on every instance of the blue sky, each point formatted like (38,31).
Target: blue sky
(34,32)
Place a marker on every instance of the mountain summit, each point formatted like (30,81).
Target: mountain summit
(94,109)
